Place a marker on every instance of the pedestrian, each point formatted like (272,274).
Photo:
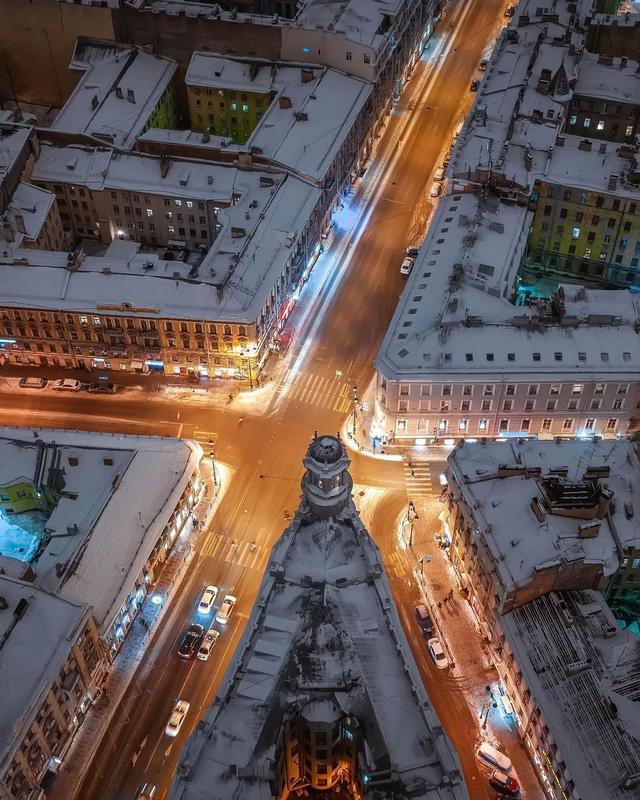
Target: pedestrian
(230,399)
(439,604)
(413,473)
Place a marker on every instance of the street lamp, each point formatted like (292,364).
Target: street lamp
(355,408)
(412,516)
(213,463)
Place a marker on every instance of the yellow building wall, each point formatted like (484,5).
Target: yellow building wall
(223,112)
(21,497)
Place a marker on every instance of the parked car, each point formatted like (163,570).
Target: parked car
(475,85)
(436,189)
(148,792)
(190,641)
(103,388)
(32,383)
(438,175)
(492,756)
(177,718)
(437,653)
(482,66)
(207,600)
(509,11)
(424,620)
(504,785)
(67,385)
(413,251)
(208,643)
(226,609)
(406,266)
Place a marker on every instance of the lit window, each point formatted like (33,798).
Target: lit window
(462,425)
(149,212)
(482,424)
(306,50)
(171,229)
(576,388)
(234,106)
(189,203)
(178,203)
(573,119)
(628,131)
(96,320)
(587,122)
(575,233)
(245,107)
(83,318)
(600,125)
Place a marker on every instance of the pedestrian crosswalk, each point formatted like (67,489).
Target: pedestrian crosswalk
(223,548)
(418,478)
(334,393)
(208,440)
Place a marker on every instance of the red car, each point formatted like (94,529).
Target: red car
(504,785)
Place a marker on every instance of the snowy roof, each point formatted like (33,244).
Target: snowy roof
(208,69)
(324,617)
(120,508)
(608,78)
(455,320)
(357,20)
(94,107)
(592,709)
(36,646)
(27,213)
(307,136)
(13,138)
(517,540)
(257,240)
(186,137)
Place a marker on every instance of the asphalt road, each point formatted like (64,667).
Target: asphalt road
(264,452)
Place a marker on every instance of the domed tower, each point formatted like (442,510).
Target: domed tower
(326,484)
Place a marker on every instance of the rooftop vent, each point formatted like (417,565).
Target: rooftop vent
(119,92)
(131,97)
(94,102)
(284,102)
(74,461)
(613,182)
(585,144)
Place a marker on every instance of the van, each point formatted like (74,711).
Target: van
(490,755)
(67,385)
(424,620)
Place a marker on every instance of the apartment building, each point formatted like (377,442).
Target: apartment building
(468,356)
(121,94)
(561,124)
(534,529)
(106,529)
(137,311)
(52,666)
(228,97)
(32,219)
(158,202)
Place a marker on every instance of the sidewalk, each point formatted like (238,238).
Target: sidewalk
(89,737)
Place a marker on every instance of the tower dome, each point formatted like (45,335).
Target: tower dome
(326,484)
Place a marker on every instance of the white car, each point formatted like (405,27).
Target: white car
(407,266)
(208,643)
(67,385)
(437,653)
(207,600)
(226,609)
(438,175)
(178,716)
(32,383)
(436,189)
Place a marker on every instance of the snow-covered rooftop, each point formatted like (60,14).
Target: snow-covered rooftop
(96,109)
(357,20)
(13,138)
(27,212)
(514,130)
(586,683)
(324,626)
(255,243)
(209,69)
(114,506)
(33,648)
(614,79)
(455,319)
(501,504)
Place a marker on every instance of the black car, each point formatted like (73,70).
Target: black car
(103,388)
(191,641)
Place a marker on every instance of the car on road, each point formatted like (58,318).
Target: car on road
(406,266)
(436,189)
(509,11)
(32,383)
(208,643)
(505,785)
(475,85)
(437,653)
(414,252)
(438,175)
(482,66)
(207,600)
(148,792)
(492,756)
(103,388)
(226,609)
(67,385)
(424,620)
(190,641)
(177,718)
